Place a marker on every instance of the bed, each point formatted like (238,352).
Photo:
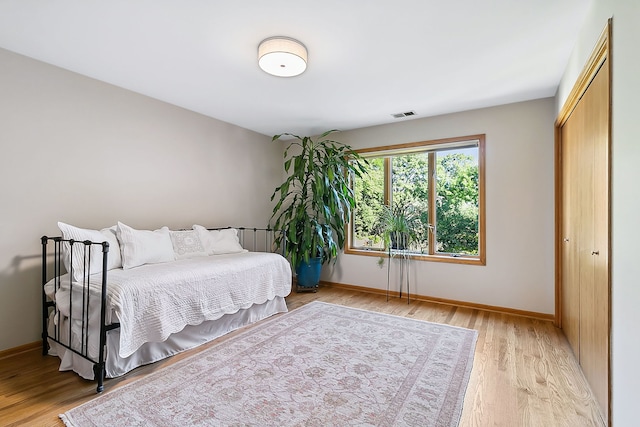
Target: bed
(118,298)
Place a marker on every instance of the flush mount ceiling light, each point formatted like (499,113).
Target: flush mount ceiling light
(282,56)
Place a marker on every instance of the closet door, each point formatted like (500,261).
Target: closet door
(570,268)
(594,250)
(584,246)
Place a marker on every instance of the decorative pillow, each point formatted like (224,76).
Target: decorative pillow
(140,247)
(187,244)
(70,232)
(217,242)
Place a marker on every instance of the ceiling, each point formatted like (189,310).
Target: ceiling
(368,59)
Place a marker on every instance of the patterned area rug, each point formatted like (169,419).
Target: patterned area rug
(319,365)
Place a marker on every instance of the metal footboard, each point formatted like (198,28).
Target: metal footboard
(78,290)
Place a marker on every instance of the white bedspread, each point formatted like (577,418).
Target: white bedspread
(153,301)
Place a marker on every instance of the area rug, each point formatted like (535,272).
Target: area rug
(318,365)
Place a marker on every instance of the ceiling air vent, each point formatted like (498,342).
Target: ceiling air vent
(406,114)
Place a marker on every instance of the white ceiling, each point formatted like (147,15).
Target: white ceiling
(368,59)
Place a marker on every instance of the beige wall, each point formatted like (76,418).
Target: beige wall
(80,151)
(625,175)
(519,209)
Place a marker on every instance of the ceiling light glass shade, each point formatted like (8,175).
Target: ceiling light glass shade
(282,56)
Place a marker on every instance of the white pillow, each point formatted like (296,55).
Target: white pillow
(140,247)
(217,242)
(187,244)
(70,232)
(115,259)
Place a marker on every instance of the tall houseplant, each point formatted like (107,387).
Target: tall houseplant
(314,202)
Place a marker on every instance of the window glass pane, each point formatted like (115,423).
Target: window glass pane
(369,195)
(457,201)
(410,196)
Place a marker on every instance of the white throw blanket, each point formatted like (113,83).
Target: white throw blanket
(153,301)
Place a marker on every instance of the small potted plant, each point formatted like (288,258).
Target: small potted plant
(396,224)
(314,203)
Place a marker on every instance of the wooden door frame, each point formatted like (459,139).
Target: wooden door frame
(600,54)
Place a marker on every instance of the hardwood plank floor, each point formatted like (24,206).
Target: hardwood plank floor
(524,373)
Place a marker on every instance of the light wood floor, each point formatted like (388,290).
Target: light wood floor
(524,373)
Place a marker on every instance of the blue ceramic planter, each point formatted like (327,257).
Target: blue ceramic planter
(308,275)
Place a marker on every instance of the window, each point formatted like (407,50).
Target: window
(438,186)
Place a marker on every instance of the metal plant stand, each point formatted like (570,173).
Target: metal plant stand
(403,257)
